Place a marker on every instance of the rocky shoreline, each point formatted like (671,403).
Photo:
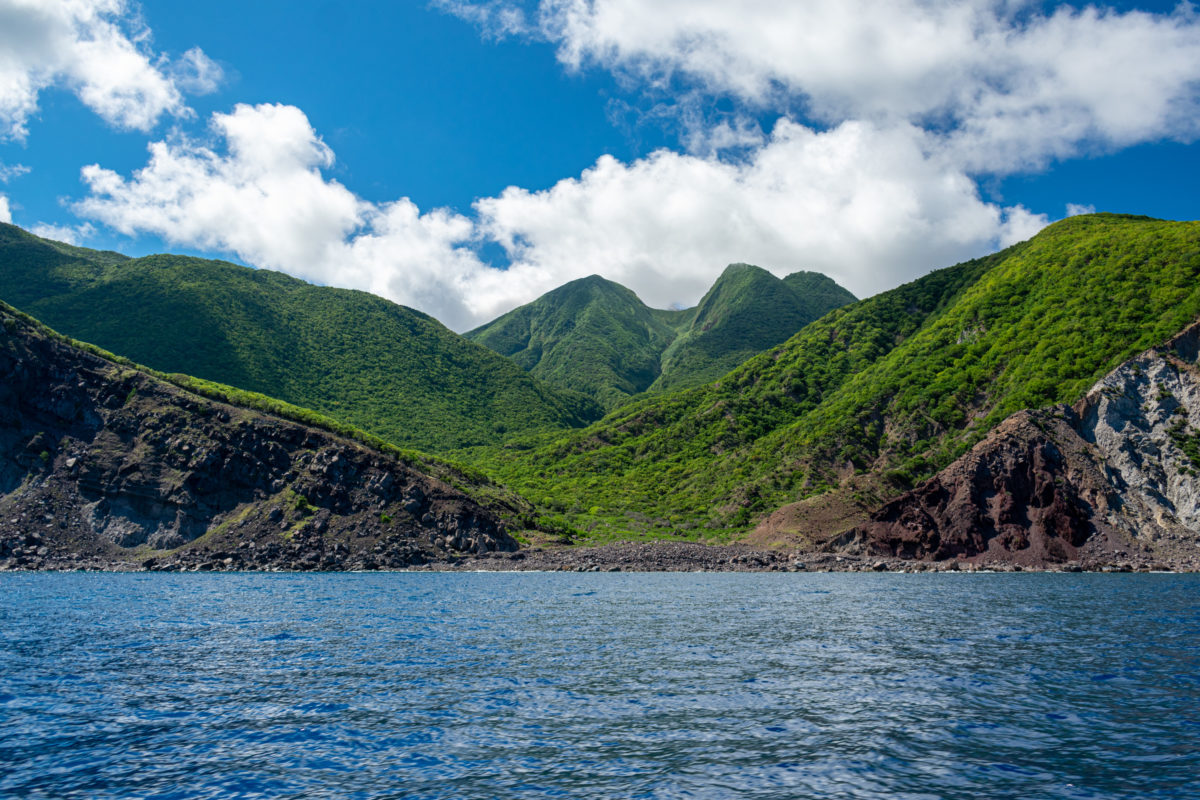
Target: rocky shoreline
(104,466)
(32,555)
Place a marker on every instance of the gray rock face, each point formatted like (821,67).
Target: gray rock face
(1112,480)
(1139,418)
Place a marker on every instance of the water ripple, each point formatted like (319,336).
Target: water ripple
(600,686)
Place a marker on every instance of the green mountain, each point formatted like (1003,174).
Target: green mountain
(818,294)
(596,337)
(104,463)
(351,355)
(590,335)
(874,396)
(746,311)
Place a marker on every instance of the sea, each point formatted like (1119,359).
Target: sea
(615,685)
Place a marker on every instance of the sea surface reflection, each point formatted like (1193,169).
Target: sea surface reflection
(600,685)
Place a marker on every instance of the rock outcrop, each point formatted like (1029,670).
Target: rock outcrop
(104,465)
(1115,477)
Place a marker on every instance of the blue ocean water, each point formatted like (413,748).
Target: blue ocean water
(600,686)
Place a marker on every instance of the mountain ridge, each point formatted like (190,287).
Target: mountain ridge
(590,335)
(873,397)
(104,463)
(595,336)
(348,354)
(746,311)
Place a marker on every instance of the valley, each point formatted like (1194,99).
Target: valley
(1028,409)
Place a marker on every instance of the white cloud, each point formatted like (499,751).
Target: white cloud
(912,100)
(1011,86)
(99,50)
(1075,209)
(196,73)
(264,199)
(496,18)
(5,211)
(10,171)
(1019,224)
(706,138)
(867,204)
(63,233)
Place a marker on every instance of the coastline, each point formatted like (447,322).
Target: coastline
(620,557)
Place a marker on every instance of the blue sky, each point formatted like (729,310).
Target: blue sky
(465,157)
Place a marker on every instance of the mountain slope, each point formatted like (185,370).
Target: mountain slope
(746,311)
(597,337)
(875,395)
(818,294)
(357,357)
(103,463)
(590,335)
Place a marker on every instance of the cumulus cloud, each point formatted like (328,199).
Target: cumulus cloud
(258,191)
(1010,86)
(858,202)
(263,197)
(5,211)
(100,51)
(907,103)
(63,233)
(867,204)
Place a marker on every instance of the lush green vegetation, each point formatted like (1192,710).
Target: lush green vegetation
(818,294)
(465,478)
(886,390)
(349,355)
(895,386)
(746,311)
(590,335)
(596,337)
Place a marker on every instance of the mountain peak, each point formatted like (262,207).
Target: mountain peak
(592,280)
(594,284)
(742,269)
(595,336)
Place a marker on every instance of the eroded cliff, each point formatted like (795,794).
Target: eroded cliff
(102,463)
(1116,476)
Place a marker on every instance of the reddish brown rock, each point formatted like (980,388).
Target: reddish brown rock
(1113,478)
(1028,494)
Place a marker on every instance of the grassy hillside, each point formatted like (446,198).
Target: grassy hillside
(883,392)
(17,327)
(596,337)
(350,355)
(590,335)
(746,311)
(818,294)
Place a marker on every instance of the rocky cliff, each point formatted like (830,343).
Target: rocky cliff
(1116,477)
(103,464)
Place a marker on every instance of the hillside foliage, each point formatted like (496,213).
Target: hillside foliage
(745,312)
(590,335)
(349,355)
(895,386)
(516,511)
(596,337)
(886,390)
